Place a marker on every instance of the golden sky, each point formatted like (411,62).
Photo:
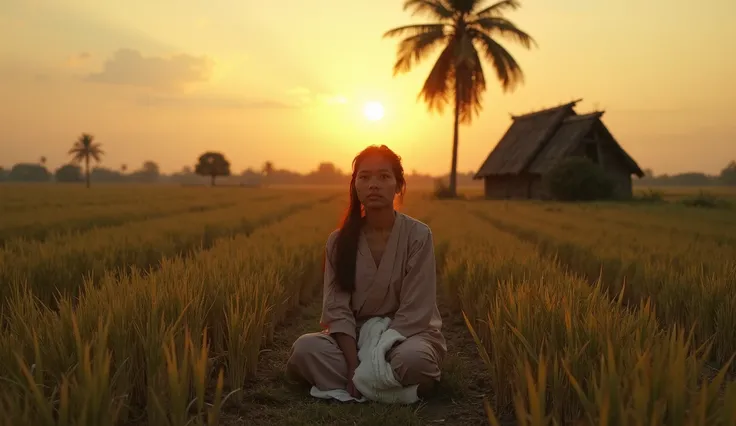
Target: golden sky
(286,81)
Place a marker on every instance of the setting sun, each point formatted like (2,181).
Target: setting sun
(373,111)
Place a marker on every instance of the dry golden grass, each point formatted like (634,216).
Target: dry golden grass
(688,273)
(560,349)
(581,314)
(137,340)
(680,192)
(61,263)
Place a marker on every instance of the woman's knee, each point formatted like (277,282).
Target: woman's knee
(414,364)
(303,350)
(306,345)
(316,359)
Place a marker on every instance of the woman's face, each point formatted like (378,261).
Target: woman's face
(375,183)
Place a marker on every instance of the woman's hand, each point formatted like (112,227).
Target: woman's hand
(352,390)
(349,349)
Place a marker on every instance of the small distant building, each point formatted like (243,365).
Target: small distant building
(537,141)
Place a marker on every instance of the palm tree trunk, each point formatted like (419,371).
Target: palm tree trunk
(455,137)
(213,180)
(86,168)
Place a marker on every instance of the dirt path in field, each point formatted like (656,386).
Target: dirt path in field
(270,400)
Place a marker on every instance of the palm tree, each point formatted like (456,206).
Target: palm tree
(267,169)
(84,148)
(467,32)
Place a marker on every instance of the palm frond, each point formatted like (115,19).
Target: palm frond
(413,49)
(467,28)
(79,156)
(437,9)
(498,8)
(464,7)
(85,139)
(508,71)
(416,29)
(469,80)
(85,147)
(436,90)
(504,28)
(464,51)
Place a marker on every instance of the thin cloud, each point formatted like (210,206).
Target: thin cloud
(130,67)
(304,96)
(77,60)
(202,102)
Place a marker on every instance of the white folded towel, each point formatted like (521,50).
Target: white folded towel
(374,377)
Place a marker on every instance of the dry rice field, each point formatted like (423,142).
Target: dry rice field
(158,305)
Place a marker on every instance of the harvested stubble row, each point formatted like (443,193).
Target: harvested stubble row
(560,351)
(690,243)
(31,197)
(139,346)
(34,198)
(53,222)
(690,280)
(61,265)
(715,223)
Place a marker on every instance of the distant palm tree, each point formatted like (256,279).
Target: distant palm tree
(267,168)
(84,148)
(462,28)
(123,168)
(42,160)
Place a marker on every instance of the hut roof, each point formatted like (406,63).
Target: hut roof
(566,138)
(625,157)
(536,141)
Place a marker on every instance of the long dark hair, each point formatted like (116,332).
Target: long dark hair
(346,243)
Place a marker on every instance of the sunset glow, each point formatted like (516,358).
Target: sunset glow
(161,81)
(373,111)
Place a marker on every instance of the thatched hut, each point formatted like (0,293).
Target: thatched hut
(537,141)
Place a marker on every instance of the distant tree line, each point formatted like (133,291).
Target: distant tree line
(72,173)
(326,173)
(210,168)
(727,177)
(213,167)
